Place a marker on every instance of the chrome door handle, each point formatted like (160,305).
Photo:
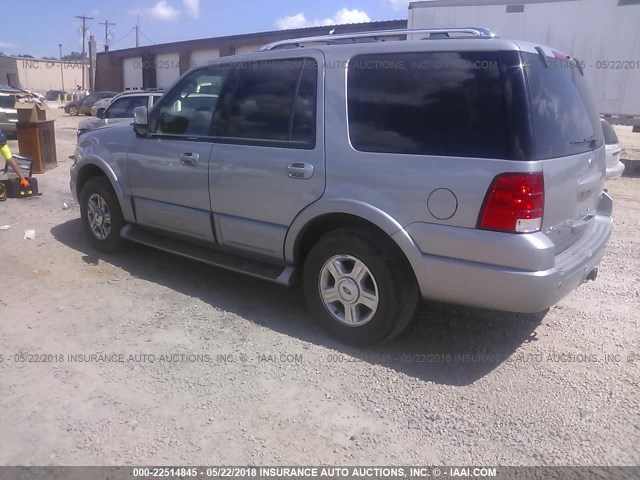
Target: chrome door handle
(300,170)
(189,159)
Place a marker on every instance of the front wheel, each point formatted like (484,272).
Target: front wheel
(74,111)
(359,286)
(101,215)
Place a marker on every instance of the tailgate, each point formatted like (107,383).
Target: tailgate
(569,143)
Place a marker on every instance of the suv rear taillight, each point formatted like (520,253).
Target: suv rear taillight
(514,203)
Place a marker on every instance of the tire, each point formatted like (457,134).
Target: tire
(388,279)
(3,192)
(98,199)
(74,111)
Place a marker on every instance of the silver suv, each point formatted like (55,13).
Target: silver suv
(459,167)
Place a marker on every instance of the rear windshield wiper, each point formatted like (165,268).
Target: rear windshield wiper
(585,140)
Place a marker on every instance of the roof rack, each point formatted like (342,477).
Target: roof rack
(479,32)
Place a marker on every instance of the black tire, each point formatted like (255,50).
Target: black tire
(3,192)
(397,289)
(74,111)
(100,186)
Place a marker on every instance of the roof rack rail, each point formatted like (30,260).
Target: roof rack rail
(479,32)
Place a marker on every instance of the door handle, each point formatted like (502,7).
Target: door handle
(189,159)
(300,170)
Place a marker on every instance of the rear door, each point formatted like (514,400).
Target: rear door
(267,161)
(569,143)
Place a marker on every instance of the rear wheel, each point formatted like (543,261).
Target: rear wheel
(74,111)
(101,215)
(359,286)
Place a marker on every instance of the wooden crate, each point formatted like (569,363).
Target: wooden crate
(38,141)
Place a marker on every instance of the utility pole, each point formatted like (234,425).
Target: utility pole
(84,32)
(106,33)
(61,67)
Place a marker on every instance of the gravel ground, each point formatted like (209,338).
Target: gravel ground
(218,368)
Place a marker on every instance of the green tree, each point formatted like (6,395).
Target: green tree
(74,56)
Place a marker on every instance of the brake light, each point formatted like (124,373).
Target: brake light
(514,203)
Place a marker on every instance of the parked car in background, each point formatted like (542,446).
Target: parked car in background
(120,109)
(83,106)
(615,167)
(101,105)
(373,186)
(8,112)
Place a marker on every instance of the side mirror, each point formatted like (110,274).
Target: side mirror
(140,121)
(100,113)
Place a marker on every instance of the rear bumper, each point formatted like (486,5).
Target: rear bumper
(615,171)
(511,289)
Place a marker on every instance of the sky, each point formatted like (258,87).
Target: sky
(37,27)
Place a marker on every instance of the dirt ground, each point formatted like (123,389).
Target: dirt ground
(148,358)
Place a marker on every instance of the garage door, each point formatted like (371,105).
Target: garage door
(202,57)
(167,69)
(132,73)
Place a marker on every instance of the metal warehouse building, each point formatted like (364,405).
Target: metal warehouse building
(158,66)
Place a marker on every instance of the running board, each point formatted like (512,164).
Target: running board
(255,268)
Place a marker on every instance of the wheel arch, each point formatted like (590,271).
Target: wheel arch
(321,218)
(96,167)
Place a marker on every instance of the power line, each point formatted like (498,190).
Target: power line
(124,36)
(147,37)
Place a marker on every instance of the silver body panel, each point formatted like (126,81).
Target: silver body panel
(240,197)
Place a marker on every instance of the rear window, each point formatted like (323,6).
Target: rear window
(610,136)
(428,103)
(565,120)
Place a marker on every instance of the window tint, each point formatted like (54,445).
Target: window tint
(265,106)
(437,103)
(564,119)
(188,109)
(123,107)
(304,112)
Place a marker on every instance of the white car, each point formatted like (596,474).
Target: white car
(101,105)
(612,146)
(120,109)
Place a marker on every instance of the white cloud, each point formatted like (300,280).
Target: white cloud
(351,16)
(161,11)
(398,4)
(343,16)
(192,7)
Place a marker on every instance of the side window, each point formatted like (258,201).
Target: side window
(188,108)
(273,101)
(304,113)
(436,103)
(123,107)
